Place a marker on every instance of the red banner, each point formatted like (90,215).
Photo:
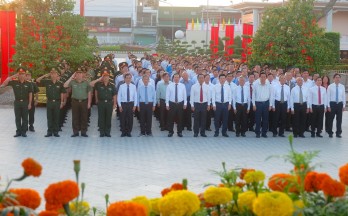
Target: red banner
(215,39)
(247,31)
(7,40)
(230,42)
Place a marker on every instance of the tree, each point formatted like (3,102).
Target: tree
(292,40)
(162,46)
(237,48)
(48,31)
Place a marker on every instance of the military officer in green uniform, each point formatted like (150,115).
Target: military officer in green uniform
(23,99)
(55,93)
(81,98)
(106,100)
(35,91)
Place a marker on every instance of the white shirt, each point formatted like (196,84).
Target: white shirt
(277,90)
(237,96)
(170,93)
(295,96)
(141,82)
(216,95)
(331,94)
(211,90)
(196,94)
(122,94)
(262,93)
(314,96)
(233,87)
(308,84)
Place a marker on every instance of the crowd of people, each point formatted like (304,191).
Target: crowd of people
(177,90)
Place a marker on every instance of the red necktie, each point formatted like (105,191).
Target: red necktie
(201,95)
(319,96)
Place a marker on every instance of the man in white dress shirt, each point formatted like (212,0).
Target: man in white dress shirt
(221,99)
(318,106)
(200,96)
(299,107)
(176,101)
(281,106)
(262,104)
(127,101)
(336,95)
(241,106)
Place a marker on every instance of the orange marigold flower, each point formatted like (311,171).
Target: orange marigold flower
(126,209)
(54,207)
(31,167)
(27,197)
(343,173)
(48,213)
(244,171)
(203,202)
(314,180)
(177,186)
(61,192)
(333,188)
(165,191)
(281,181)
(221,185)
(240,184)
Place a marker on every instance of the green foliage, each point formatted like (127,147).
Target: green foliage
(335,38)
(48,31)
(290,36)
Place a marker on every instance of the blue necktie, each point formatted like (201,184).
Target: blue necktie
(176,93)
(146,97)
(128,94)
(336,93)
(242,94)
(222,93)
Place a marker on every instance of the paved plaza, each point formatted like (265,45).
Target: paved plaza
(127,167)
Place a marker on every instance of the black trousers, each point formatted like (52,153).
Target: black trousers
(300,117)
(317,118)
(145,115)
(221,116)
(241,118)
(231,119)
(163,115)
(336,110)
(327,120)
(21,114)
(187,116)
(200,115)
(261,117)
(289,121)
(32,114)
(126,117)
(251,117)
(210,114)
(280,116)
(175,112)
(79,115)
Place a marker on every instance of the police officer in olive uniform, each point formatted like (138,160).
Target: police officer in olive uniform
(55,93)
(23,99)
(106,100)
(35,91)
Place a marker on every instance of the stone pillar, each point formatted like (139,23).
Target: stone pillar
(329,21)
(255,20)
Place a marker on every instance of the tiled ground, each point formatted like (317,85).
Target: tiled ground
(126,167)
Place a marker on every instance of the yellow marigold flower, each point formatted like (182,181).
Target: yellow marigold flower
(256,176)
(218,195)
(245,200)
(82,207)
(179,203)
(273,204)
(154,205)
(298,206)
(144,201)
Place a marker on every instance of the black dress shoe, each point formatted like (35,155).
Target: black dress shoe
(195,135)
(295,135)
(31,128)
(274,135)
(24,135)
(243,134)
(56,135)
(123,135)
(75,135)
(264,136)
(208,129)
(302,136)
(216,135)
(60,129)
(170,134)
(102,135)
(189,129)
(312,135)
(163,129)
(107,135)
(129,135)
(257,135)
(84,135)
(282,135)
(330,135)
(179,134)
(338,136)
(237,135)
(225,135)
(251,129)
(48,135)
(203,135)
(319,135)
(17,135)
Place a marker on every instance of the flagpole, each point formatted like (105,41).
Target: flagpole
(206,33)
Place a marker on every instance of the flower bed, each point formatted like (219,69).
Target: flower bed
(302,191)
